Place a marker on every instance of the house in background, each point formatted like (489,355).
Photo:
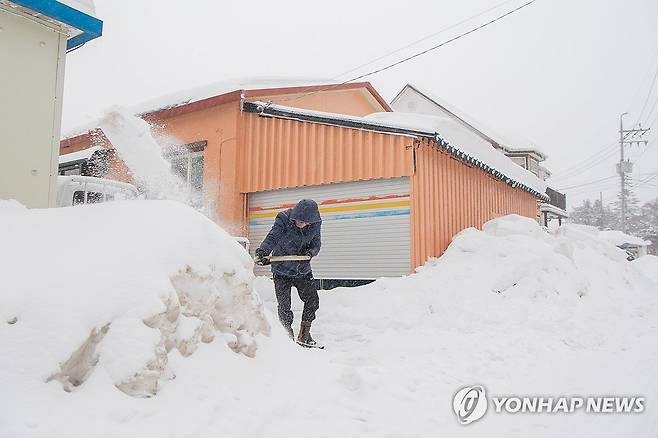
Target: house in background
(35,36)
(412,99)
(391,192)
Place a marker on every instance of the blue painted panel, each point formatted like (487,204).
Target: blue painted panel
(91,27)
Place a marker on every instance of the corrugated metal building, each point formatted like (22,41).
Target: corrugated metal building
(389,197)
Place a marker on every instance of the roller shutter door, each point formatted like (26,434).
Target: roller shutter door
(365,226)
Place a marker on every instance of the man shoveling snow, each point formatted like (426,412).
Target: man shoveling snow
(296,231)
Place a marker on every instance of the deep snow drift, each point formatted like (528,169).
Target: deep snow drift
(117,286)
(139,284)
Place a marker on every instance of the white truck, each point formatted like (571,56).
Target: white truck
(76,189)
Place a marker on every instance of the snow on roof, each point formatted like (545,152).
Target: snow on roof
(223,87)
(472,144)
(207,91)
(619,238)
(511,142)
(84,154)
(446,128)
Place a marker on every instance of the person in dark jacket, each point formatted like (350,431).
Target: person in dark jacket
(296,231)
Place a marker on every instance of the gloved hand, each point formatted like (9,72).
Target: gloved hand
(260,259)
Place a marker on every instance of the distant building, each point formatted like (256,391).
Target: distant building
(412,99)
(35,36)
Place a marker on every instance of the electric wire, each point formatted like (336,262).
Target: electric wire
(413,43)
(415,55)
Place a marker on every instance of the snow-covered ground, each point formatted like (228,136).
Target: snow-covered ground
(143,284)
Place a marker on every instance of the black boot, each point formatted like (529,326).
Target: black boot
(304,337)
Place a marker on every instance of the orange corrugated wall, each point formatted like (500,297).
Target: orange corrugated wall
(279,153)
(448,195)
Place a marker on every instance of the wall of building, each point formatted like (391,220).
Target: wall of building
(280,153)
(218,126)
(448,195)
(31,89)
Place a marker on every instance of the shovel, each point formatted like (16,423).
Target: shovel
(287,258)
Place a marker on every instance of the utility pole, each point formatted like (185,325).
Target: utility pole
(601,207)
(627,136)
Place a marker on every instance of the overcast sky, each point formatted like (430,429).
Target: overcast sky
(558,72)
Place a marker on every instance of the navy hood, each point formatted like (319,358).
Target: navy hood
(307,211)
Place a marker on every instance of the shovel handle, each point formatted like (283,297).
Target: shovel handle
(287,258)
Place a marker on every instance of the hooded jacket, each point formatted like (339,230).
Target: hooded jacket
(285,238)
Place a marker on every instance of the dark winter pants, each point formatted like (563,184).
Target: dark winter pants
(307,292)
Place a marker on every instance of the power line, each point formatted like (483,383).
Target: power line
(644,106)
(644,78)
(646,180)
(596,159)
(416,55)
(413,43)
(653,107)
(587,183)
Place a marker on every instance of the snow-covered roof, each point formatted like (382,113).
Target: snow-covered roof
(549,208)
(511,142)
(84,154)
(196,94)
(465,140)
(463,143)
(619,238)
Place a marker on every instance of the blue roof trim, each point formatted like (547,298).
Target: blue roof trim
(91,27)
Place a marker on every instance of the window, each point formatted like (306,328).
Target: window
(519,160)
(534,166)
(189,166)
(70,168)
(92,197)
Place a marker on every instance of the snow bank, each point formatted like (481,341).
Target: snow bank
(511,307)
(648,265)
(619,238)
(117,286)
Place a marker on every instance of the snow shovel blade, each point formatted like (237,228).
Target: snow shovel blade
(288,258)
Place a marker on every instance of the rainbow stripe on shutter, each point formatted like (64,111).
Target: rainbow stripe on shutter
(342,209)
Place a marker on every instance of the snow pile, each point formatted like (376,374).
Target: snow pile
(117,286)
(619,238)
(648,265)
(463,139)
(510,307)
(132,139)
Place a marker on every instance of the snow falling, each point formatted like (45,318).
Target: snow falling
(133,140)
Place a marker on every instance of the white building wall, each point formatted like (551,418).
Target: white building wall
(31,87)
